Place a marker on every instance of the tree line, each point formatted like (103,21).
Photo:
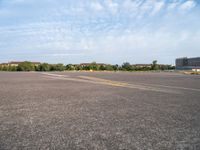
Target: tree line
(126,66)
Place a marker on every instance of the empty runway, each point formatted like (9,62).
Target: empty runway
(99,110)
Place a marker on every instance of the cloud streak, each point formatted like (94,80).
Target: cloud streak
(124,29)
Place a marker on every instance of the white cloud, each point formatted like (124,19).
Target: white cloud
(130,5)
(146,8)
(112,6)
(14,2)
(157,7)
(172,6)
(64,54)
(68,28)
(189,4)
(96,6)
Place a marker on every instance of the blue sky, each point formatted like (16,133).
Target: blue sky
(109,31)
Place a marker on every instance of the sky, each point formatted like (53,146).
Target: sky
(105,31)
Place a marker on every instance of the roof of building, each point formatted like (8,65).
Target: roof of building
(85,64)
(188,58)
(141,65)
(4,64)
(18,62)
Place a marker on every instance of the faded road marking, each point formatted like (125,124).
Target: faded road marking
(55,75)
(142,84)
(94,80)
(173,87)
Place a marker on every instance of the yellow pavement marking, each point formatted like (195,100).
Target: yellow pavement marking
(103,80)
(141,84)
(173,87)
(51,74)
(124,84)
(95,80)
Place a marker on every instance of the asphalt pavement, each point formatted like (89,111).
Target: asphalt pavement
(99,111)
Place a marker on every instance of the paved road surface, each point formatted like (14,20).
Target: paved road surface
(99,110)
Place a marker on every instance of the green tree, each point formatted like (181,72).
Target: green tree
(12,68)
(78,67)
(5,68)
(69,67)
(44,67)
(60,67)
(154,65)
(86,68)
(102,67)
(25,66)
(115,67)
(52,67)
(126,66)
(109,67)
(93,66)
(37,68)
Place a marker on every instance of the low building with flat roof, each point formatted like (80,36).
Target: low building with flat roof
(188,63)
(16,63)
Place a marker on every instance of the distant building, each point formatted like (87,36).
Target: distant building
(16,63)
(142,65)
(188,63)
(89,64)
